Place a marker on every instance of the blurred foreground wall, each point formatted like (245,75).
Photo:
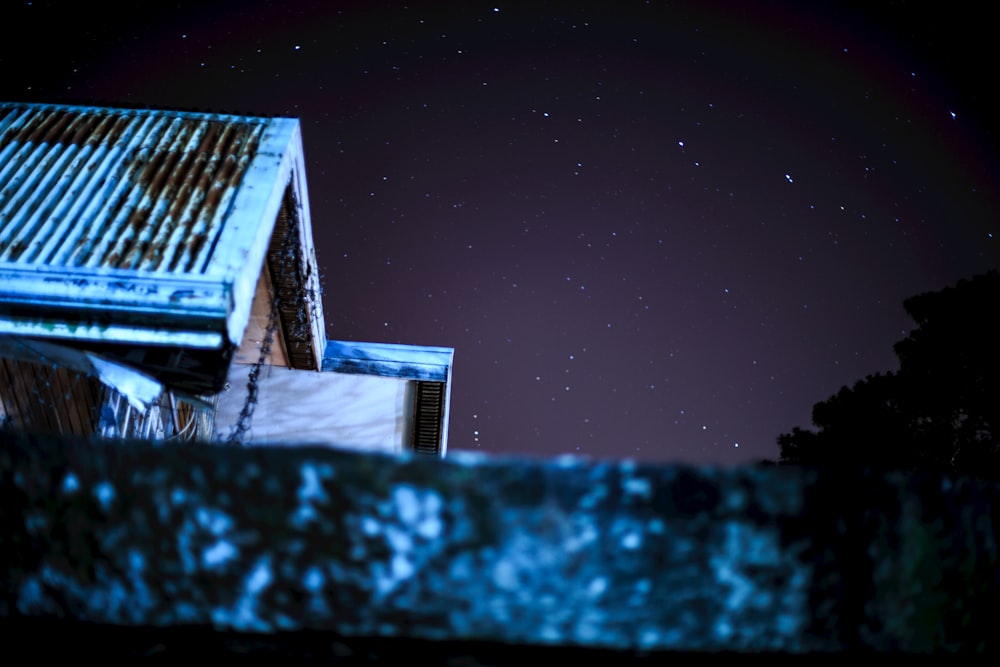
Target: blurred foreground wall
(129,546)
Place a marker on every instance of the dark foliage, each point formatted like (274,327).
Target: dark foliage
(939,412)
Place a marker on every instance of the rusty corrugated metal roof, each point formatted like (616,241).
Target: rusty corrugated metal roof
(137,225)
(115,189)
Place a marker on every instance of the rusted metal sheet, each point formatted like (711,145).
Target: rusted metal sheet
(138,225)
(412,362)
(118,189)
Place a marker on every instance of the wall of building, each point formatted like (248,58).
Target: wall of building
(295,407)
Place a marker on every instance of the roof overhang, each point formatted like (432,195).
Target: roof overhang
(137,225)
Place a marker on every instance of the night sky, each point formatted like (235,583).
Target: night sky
(650,230)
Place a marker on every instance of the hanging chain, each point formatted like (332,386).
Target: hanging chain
(242,425)
(287,255)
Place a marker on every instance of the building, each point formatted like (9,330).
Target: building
(158,280)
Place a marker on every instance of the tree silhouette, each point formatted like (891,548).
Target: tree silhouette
(939,412)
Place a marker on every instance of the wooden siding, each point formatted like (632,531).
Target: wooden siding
(41,398)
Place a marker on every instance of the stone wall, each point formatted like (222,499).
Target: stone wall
(321,547)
